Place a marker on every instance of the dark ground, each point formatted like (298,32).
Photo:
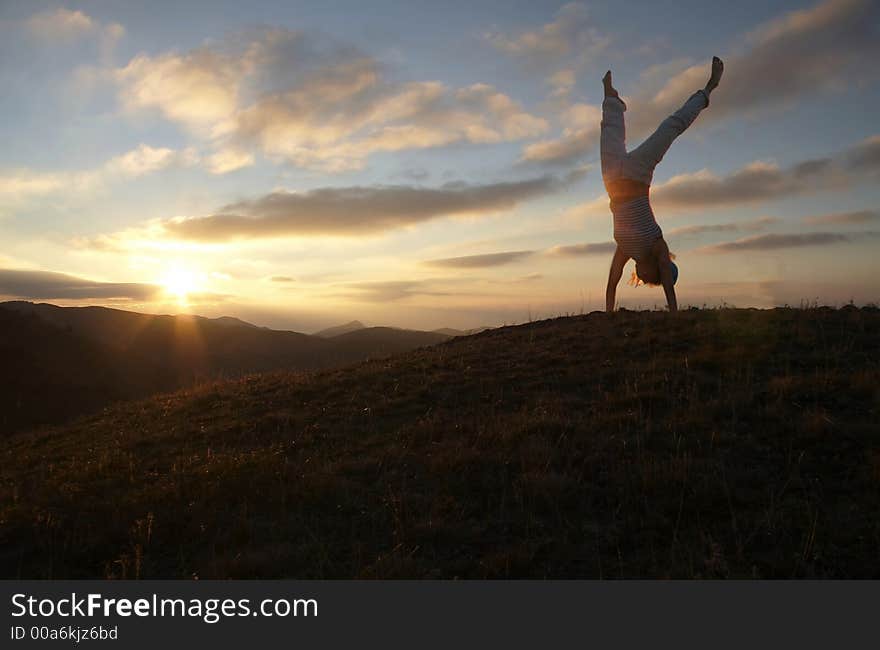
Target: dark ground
(725,443)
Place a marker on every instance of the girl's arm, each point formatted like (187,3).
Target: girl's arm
(661,251)
(617,263)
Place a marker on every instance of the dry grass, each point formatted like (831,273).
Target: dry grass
(725,443)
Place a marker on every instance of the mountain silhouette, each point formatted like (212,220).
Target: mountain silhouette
(63,361)
(330,332)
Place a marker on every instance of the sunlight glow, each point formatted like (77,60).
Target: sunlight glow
(180,281)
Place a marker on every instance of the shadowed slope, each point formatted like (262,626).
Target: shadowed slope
(719,443)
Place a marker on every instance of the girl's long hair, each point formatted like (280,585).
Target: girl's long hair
(635,280)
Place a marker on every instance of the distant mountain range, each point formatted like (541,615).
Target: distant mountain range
(64,361)
(356,325)
(330,332)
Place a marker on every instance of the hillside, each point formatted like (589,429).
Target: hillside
(49,374)
(449,331)
(725,443)
(105,355)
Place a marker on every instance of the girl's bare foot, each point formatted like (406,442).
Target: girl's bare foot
(717,71)
(609,88)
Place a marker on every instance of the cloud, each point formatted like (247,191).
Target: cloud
(865,157)
(281,278)
(388,291)
(50,285)
(480,261)
(757,181)
(738,226)
(597,207)
(569,148)
(17,185)
(312,103)
(229,160)
(762,181)
(146,160)
(860,216)
(579,250)
(562,80)
(781,62)
(21,183)
(198,89)
(580,137)
(64,26)
(61,24)
(780,241)
(509,257)
(415,174)
(570,36)
(354,210)
(338,129)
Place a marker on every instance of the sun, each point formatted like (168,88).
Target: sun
(180,281)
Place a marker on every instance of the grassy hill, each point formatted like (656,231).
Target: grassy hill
(728,443)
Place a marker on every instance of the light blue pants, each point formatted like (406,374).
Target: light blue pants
(639,163)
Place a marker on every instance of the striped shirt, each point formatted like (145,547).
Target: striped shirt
(635,228)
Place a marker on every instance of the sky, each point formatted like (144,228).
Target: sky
(423,164)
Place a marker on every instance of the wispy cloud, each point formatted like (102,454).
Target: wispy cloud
(865,157)
(64,26)
(571,38)
(145,159)
(736,226)
(19,184)
(859,216)
(355,210)
(479,261)
(60,24)
(389,291)
(578,250)
(51,285)
(509,257)
(780,241)
(228,160)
